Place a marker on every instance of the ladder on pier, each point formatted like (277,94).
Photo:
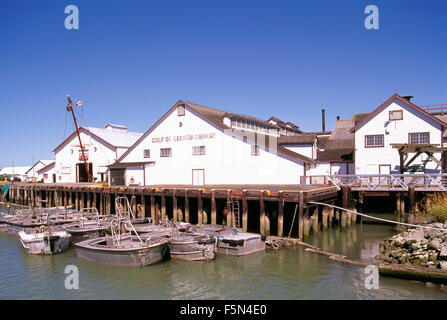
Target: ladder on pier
(235,212)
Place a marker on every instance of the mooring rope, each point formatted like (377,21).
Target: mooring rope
(376,218)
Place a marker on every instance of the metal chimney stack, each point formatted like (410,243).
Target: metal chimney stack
(323,121)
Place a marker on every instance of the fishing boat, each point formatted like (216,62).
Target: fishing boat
(44,241)
(192,246)
(121,248)
(232,241)
(84,230)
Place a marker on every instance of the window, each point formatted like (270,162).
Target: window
(147,153)
(374,141)
(45,176)
(396,115)
(166,152)
(255,150)
(181,110)
(198,150)
(419,138)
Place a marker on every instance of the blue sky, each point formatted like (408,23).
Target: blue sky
(130,61)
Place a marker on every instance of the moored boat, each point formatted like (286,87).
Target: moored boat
(192,247)
(44,242)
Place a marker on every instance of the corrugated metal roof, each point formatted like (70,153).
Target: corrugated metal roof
(116,138)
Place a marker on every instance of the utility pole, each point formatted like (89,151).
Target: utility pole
(32,159)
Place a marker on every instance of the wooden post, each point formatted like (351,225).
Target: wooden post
(134,203)
(402,203)
(398,200)
(101,202)
(153,213)
(81,205)
(306,226)
(244,211)
(163,204)
(70,198)
(300,215)
(174,205)
(324,217)
(280,213)
(143,204)
(262,212)
(315,225)
(343,218)
(94,205)
(108,202)
(411,200)
(354,216)
(186,206)
(88,205)
(200,207)
(77,201)
(213,207)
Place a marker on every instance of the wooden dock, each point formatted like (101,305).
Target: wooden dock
(265,209)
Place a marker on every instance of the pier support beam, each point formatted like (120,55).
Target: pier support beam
(244,211)
(213,207)
(101,202)
(280,213)
(143,204)
(199,207)
(262,212)
(324,217)
(174,205)
(306,225)
(411,200)
(153,213)
(315,223)
(300,216)
(163,204)
(186,206)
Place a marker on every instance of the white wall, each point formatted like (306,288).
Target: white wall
(304,149)
(49,175)
(68,156)
(367,160)
(227,160)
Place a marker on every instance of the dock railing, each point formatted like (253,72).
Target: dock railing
(380,182)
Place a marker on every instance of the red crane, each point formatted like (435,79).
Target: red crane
(70,108)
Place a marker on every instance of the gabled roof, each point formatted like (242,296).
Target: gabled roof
(403,100)
(43,162)
(340,145)
(216,117)
(112,138)
(49,166)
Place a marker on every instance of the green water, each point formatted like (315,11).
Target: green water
(282,274)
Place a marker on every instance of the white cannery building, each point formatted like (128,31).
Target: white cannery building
(33,171)
(102,146)
(399,137)
(198,145)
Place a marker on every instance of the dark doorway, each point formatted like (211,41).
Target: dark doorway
(54,178)
(82,173)
(117,177)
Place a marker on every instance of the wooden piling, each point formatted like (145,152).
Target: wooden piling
(300,216)
(324,217)
(398,201)
(186,206)
(81,204)
(153,204)
(262,213)
(101,202)
(280,213)
(411,200)
(143,204)
(315,225)
(213,207)
(306,223)
(244,211)
(199,207)
(163,204)
(174,205)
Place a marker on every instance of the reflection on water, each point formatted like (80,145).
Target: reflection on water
(283,274)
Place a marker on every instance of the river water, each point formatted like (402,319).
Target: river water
(289,273)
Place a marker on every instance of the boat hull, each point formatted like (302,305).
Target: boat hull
(192,248)
(136,257)
(43,244)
